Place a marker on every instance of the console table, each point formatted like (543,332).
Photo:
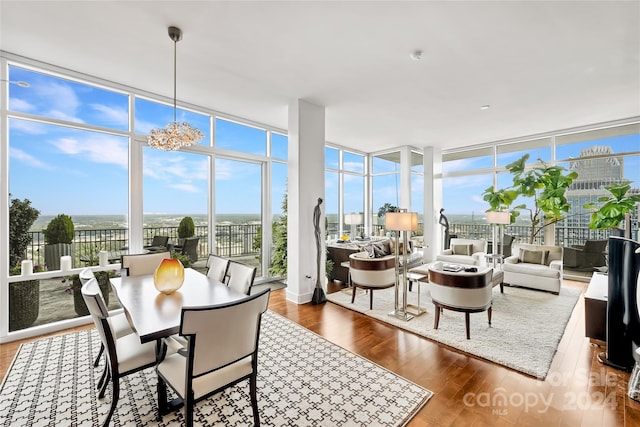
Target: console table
(595,308)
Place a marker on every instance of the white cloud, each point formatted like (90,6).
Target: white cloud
(189,188)
(224,170)
(96,148)
(28,127)
(112,115)
(18,104)
(20,155)
(60,96)
(62,115)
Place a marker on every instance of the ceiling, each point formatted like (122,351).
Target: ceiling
(541,66)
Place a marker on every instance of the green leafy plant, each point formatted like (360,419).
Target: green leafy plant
(17,269)
(279,259)
(59,230)
(545,184)
(21,217)
(186,228)
(184,259)
(613,208)
(387,207)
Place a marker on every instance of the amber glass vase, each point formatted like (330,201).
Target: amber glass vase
(169,276)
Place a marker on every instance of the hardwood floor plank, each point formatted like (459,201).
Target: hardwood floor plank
(461,382)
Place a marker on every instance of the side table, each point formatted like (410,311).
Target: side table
(419,278)
(495,258)
(595,308)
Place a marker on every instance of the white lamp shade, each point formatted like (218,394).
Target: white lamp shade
(352,219)
(495,217)
(402,221)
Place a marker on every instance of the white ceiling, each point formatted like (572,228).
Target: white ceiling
(542,66)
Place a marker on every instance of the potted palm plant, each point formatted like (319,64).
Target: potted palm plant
(614,209)
(58,237)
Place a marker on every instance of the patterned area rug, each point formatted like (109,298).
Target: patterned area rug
(303,380)
(526,325)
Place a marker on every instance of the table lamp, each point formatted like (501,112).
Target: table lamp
(401,221)
(353,219)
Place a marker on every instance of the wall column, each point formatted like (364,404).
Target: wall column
(305,186)
(433,231)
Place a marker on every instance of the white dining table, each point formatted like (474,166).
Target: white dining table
(154,315)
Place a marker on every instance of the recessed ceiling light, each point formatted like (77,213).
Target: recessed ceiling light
(485,107)
(416,55)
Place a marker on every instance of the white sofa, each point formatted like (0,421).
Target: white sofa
(465,251)
(534,266)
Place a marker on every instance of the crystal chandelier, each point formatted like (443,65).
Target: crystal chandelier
(175,135)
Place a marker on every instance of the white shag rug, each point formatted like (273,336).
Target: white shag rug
(526,325)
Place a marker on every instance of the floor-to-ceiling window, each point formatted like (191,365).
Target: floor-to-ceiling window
(75,147)
(417,189)
(385,183)
(353,179)
(601,155)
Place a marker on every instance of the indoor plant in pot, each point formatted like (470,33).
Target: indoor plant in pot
(24,296)
(58,237)
(616,208)
(75,287)
(543,184)
(186,229)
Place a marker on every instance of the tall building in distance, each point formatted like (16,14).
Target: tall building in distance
(597,167)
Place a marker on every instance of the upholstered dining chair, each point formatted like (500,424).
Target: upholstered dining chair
(222,350)
(371,273)
(217,267)
(119,323)
(141,264)
(240,277)
(468,292)
(125,355)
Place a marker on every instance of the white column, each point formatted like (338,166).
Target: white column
(433,231)
(405,178)
(305,186)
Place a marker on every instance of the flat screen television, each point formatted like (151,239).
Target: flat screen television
(623,317)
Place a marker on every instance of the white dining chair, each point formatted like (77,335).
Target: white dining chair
(221,351)
(119,322)
(142,264)
(217,267)
(240,277)
(125,355)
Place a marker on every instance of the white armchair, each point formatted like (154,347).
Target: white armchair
(371,273)
(465,251)
(467,292)
(534,266)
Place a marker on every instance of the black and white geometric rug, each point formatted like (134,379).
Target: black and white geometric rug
(303,380)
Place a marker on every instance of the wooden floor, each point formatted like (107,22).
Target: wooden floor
(578,391)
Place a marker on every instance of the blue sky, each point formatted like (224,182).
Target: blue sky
(68,170)
(463,195)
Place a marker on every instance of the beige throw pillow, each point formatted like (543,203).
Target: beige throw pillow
(462,249)
(400,247)
(533,257)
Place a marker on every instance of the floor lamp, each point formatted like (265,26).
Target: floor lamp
(499,218)
(401,221)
